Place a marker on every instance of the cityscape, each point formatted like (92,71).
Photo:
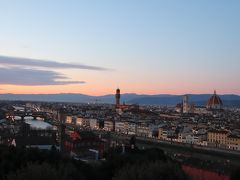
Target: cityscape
(119,90)
(85,132)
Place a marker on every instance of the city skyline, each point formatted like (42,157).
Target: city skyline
(142,47)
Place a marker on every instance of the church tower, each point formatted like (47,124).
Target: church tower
(185,104)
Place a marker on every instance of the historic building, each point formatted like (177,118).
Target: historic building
(217,137)
(214,102)
(82,143)
(233,142)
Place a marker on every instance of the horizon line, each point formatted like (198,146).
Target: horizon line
(114,94)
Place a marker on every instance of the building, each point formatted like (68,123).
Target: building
(118,96)
(79,121)
(217,138)
(94,123)
(185,104)
(196,138)
(179,108)
(165,133)
(132,128)
(120,127)
(233,142)
(214,102)
(81,143)
(69,119)
(85,122)
(144,131)
(109,125)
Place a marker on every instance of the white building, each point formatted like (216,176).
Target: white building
(144,131)
(94,124)
(121,127)
(196,138)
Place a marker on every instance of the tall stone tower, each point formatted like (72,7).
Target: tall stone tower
(185,104)
(118,96)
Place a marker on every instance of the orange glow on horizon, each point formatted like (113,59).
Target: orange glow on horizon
(100,90)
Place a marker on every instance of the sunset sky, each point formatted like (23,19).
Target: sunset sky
(141,46)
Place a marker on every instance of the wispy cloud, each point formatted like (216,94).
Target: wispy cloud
(27,62)
(33,77)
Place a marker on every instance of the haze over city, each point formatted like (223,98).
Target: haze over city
(145,47)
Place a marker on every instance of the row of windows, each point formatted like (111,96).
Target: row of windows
(223,139)
(233,144)
(216,136)
(234,139)
(213,140)
(84,144)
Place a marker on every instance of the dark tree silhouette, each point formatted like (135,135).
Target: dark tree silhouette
(151,171)
(235,175)
(26,164)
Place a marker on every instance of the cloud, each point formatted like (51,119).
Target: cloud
(33,77)
(17,61)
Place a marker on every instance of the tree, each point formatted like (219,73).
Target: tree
(151,171)
(36,172)
(46,172)
(133,141)
(235,175)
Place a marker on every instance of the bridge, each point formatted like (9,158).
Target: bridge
(12,114)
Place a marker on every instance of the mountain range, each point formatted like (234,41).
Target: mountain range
(161,99)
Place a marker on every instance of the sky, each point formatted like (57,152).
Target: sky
(140,46)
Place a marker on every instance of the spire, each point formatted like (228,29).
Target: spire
(215,92)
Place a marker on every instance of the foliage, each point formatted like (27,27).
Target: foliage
(150,171)
(46,171)
(235,175)
(26,164)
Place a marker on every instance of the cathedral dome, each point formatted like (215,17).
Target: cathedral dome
(214,102)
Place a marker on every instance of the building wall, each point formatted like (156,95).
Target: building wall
(79,121)
(94,123)
(144,131)
(108,125)
(164,133)
(83,122)
(185,104)
(218,137)
(233,143)
(120,127)
(69,119)
(132,128)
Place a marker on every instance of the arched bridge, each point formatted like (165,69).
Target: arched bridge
(11,115)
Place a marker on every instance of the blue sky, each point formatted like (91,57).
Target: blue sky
(152,47)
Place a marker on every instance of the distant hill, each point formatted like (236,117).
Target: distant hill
(197,99)
(161,99)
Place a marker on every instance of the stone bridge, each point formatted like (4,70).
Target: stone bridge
(11,115)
